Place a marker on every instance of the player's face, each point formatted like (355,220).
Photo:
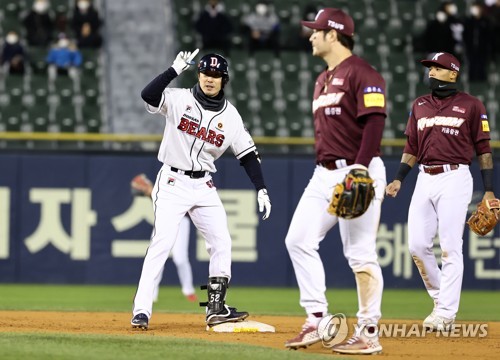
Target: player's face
(442,74)
(320,45)
(211,84)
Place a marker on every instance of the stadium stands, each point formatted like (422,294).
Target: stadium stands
(384,36)
(272,93)
(31,102)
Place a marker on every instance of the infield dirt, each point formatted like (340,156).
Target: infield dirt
(192,326)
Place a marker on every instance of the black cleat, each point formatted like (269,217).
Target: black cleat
(140,321)
(228,314)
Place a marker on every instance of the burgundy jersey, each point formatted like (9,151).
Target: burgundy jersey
(341,96)
(446,131)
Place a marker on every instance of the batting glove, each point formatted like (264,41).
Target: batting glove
(183,60)
(264,203)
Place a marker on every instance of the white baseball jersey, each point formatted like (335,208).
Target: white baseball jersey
(194,137)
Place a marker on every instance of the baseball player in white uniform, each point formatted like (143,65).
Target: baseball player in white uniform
(200,125)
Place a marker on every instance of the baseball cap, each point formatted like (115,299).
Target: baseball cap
(331,18)
(444,60)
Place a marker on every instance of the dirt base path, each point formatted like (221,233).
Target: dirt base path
(192,326)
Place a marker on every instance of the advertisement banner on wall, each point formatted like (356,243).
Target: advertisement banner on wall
(71,218)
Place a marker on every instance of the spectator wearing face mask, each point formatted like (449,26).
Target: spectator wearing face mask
(215,27)
(263,28)
(456,25)
(39,24)
(86,24)
(478,42)
(63,59)
(438,36)
(13,54)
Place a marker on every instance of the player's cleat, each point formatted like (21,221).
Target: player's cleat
(140,321)
(227,314)
(359,345)
(428,322)
(308,336)
(192,298)
(438,323)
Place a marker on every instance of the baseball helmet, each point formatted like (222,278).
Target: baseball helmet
(214,65)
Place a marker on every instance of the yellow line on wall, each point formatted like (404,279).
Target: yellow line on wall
(264,140)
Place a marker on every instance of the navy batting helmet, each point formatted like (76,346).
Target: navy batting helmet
(214,65)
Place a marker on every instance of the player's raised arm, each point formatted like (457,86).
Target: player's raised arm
(151,94)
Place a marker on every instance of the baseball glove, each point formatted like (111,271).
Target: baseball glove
(485,217)
(353,196)
(141,185)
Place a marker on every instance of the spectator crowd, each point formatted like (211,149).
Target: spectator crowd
(60,31)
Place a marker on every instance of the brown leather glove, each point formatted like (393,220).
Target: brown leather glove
(485,217)
(352,197)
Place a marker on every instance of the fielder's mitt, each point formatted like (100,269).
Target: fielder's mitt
(352,197)
(141,185)
(485,217)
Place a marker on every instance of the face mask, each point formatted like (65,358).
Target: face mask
(474,11)
(441,16)
(452,9)
(40,6)
(442,88)
(11,38)
(63,43)
(261,9)
(83,5)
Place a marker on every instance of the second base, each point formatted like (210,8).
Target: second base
(242,326)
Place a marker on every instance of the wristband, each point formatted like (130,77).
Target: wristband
(403,170)
(487,175)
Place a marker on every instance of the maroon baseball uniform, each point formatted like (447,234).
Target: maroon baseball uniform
(443,134)
(341,96)
(447,131)
(349,115)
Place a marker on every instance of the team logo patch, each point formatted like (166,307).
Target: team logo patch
(171,181)
(485,125)
(337,81)
(373,96)
(458,109)
(373,89)
(220,126)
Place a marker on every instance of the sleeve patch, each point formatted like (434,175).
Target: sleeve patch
(374,100)
(486,126)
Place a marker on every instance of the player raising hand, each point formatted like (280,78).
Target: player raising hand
(200,124)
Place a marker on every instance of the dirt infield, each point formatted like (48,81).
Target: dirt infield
(192,326)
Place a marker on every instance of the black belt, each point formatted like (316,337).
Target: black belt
(438,169)
(332,164)
(191,174)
